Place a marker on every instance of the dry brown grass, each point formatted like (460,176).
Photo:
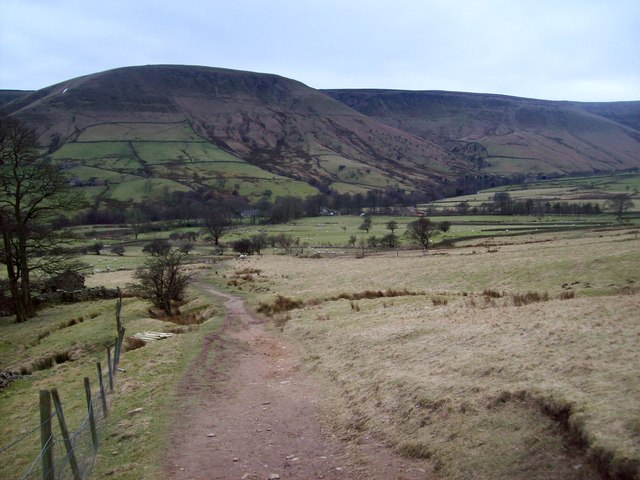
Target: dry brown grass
(442,379)
(486,386)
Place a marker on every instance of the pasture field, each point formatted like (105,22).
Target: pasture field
(144,393)
(516,361)
(176,157)
(595,189)
(505,356)
(335,231)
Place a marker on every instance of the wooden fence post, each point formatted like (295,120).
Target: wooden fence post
(65,435)
(119,346)
(118,310)
(92,419)
(115,356)
(103,395)
(46,435)
(110,369)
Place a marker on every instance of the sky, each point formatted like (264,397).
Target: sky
(581,50)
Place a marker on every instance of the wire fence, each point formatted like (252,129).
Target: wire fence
(60,454)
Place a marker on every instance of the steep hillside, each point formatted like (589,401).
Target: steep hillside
(625,113)
(507,135)
(127,132)
(269,125)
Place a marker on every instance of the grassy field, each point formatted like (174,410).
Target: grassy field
(595,189)
(126,154)
(516,361)
(505,356)
(134,438)
(335,231)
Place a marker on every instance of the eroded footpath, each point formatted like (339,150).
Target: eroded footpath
(253,414)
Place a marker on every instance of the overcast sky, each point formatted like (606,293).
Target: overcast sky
(586,50)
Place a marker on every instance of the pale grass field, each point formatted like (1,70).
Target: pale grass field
(601,263)
(483,388)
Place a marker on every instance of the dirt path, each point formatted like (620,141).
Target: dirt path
(252,414)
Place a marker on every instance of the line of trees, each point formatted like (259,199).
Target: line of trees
(503,204)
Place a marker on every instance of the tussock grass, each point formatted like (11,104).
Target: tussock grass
(279,304)
(520,299)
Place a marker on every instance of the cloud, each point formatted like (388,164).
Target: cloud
(585,50)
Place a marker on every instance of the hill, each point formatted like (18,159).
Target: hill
(126,132)
(508,135)
(8,96)
(200,126)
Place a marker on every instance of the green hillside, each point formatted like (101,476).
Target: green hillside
(132,160)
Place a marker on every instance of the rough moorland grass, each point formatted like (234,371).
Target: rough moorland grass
(485,388)
(466,383)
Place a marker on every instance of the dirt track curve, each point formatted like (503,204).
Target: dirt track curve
(253,414)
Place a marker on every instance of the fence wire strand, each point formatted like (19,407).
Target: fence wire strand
(15,442)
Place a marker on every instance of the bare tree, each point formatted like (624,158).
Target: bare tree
(162,280)
(216,224)
(157,247)
(619,204)
(392,225)
(32,191)
(444,226)
(421,231)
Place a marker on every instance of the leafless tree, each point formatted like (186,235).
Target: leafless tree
(619,204)
(421,231)
(163,280)
(216,224)
(32,191)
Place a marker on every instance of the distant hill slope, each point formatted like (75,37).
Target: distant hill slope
(273,123)
(508,135)
(132,130)
(8,96)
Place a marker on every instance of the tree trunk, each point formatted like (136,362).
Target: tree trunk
(12,275)
(23,266)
